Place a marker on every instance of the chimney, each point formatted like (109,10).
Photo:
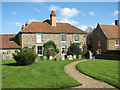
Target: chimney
(53,18)
(22,27)
(26,24)
(117,22)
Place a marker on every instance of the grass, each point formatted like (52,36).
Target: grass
(42,74)
(105,70)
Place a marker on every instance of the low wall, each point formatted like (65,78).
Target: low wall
(6,57)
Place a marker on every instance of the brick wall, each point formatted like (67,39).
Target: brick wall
(98,35)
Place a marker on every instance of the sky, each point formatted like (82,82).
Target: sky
(79,14)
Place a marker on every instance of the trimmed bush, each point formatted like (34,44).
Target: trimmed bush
(25,57)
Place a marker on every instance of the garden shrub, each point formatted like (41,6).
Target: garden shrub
(50,49)
(74,49)
(84,51)
(25,57)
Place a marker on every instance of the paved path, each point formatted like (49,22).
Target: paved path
(87,81)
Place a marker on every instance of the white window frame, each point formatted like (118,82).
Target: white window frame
(65,37)
(65,49)
(75,37)
(117,42)
(99,43)
(40,50)
(39,38)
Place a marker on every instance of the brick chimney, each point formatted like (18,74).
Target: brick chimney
(53,18)
(22,27)
(117,22)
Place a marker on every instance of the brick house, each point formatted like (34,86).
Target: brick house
(106,37)
(37,33)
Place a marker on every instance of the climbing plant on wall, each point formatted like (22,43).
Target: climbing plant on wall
(50,49)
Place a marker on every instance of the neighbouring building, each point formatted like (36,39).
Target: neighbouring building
(106,37)
(36,34)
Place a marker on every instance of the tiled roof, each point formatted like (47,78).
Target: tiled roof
(111,31)
(47,28)
(8,44)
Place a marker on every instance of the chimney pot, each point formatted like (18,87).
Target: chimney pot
(117,22)
(22,27)
(26,24)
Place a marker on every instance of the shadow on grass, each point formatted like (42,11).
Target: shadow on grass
(12,64)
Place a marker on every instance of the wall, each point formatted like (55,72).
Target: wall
(30,39)
(98,35)
(111,45)
(6,54)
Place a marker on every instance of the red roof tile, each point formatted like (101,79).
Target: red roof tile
(47,28)
(8,44)
(111,31)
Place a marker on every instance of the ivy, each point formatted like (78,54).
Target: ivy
(50,49)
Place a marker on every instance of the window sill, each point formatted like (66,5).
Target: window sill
(40,55)
(76,41)
(117,45)
(63,41)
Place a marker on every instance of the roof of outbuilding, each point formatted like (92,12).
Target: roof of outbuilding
(45,27)
(6,43)
(111,31)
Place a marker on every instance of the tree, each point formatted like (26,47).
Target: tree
(74,49)
(89,37)
(25,57)
(84,51)
(50,49)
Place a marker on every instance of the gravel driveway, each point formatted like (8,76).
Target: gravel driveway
(87,81)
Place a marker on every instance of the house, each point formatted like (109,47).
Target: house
(106,37)
(35,34)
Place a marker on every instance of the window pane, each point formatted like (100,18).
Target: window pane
(10,39)
(39,50)
(39,38)
(64,50)
(63,37)
(76,37)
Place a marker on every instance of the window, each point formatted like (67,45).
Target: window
(10,39)
(64,50)
(99,51)
(40,50)
(76,37)
(116,43)
(63,37)
(98,43)
(39,38)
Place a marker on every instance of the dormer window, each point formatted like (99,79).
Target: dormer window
(10,39)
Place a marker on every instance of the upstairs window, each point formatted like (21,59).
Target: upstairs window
(39,38)
(63,37)
(98,43)
(116,43)
(76,37)
(10,39)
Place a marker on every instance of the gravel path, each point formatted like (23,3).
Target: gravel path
(87,81)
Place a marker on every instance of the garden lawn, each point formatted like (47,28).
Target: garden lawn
(105,70)
(42,74)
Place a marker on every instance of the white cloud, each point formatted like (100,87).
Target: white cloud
(53,7)
(36,9)
(64,14)
(14,13)
(91,13)
(31,20)
(116,12)
(83,27)
(15,24)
